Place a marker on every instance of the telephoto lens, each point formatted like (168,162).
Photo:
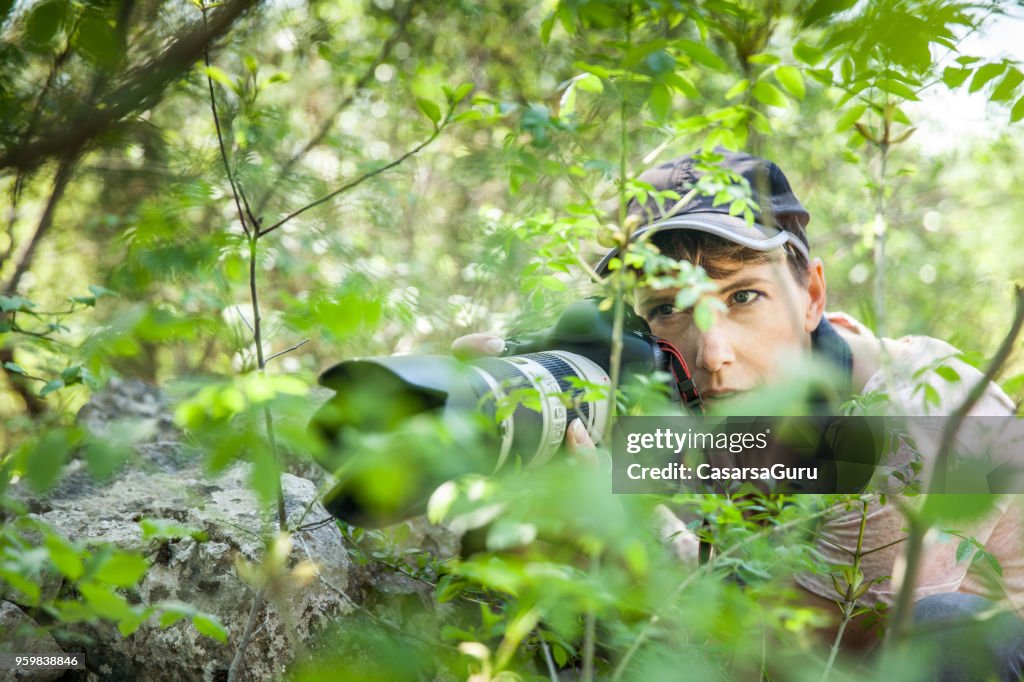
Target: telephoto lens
(514,408)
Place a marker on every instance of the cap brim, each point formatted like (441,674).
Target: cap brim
(731,228)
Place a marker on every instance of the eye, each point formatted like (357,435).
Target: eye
(662,310)
(746,296)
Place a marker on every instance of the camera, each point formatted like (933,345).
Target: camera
(526,398)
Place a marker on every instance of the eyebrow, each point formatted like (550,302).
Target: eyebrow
(661,298)
(743,284)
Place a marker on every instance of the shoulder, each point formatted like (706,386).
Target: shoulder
(920,375)
(927,376)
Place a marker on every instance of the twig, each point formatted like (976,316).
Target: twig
(288,350)
(247,634)
(359,607)
(251,228)
(552,671)
(82,125)
(850,598)
(20,178)
(220,137)
(60,181)
(328,122)
(244,321)
(282,514)
(352,184)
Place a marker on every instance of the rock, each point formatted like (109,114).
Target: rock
(19,634)
(204,574)
(167,482)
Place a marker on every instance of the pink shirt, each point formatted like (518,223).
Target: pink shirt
(1000,531)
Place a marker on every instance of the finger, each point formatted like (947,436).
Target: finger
(477,346)
(579,444)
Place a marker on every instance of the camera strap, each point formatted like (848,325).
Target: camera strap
(828,344)
(683,378)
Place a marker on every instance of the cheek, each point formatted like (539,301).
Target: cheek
(680,334)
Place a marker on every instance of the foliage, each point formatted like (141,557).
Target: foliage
(259,190)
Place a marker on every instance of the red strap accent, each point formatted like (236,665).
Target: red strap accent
(683,378)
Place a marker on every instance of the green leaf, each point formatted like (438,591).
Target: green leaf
(589,83)
(953,77)
(14,368)
(702,315)
(103,458)
(552,283)
(1014,384)
(218,75)
(791,79)
(97,41)
(700,54)
(660,101)
(169,529)
(948,507)
(766,93)
(45,20)
(50,387)
(429,109)
(208,624)
(468,115)
(71,375)
(1008,86)
(104,602)
(100,292)
(1017,112)
(850,116)
(123,569)
(264,477)
(599,71)
(948,373)
(64,556)
(546,26)
(738,89)
(823,9)
(681,84)
(173,611)
(808,54)
(27,587)
(898,88)
(43,462)
(984,74)
(964,550)
(15,304)
(460,93)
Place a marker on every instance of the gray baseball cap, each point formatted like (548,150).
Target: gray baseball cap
(780,217)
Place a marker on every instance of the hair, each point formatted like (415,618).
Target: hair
(720,257)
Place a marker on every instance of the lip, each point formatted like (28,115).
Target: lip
(721,394)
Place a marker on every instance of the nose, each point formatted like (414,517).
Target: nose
(715,350)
